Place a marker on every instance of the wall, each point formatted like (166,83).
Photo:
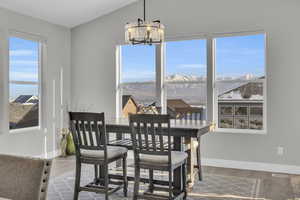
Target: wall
(93,66)
(37,142)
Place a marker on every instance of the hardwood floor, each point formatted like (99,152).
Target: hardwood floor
(272,186)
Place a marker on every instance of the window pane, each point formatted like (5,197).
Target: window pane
(226,110)
(226,122)
(24,86)
(138,80)
(240,78)
(186,79)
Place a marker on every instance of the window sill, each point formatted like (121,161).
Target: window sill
(240,131)
(24,130)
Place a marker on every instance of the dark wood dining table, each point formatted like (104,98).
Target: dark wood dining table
(184,133)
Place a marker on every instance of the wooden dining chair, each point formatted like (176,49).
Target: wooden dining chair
(149,135)
(89,133)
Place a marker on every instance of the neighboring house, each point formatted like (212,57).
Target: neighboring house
(24,112)
(129,106)
(23,115)
(242,107)
(26,99)
(179,109)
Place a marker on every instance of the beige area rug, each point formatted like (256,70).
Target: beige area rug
(213,187)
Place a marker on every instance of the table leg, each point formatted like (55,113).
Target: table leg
(177,177)
(119,162)
(189,144)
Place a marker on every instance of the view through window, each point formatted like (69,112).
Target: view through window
(138,80)
(186,79)
(240,79)
(23,83)
(238,86)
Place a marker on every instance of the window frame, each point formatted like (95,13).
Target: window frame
(212,111)
(41,60)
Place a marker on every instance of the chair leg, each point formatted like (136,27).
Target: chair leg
(136,182)
(184,174)
(106,181)
(199,161)
(96,179)
(125,175)
(77,180)
(170,185)
(151,185)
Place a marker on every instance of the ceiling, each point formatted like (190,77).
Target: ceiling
(68,13)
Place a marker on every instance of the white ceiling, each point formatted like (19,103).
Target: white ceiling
(68,13)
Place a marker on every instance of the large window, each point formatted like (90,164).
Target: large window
(186,79)
(24,87)
(240,79)
(179,77)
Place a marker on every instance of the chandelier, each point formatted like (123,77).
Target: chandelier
(144,32)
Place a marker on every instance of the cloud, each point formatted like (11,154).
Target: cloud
(24,76)
(192,66)
(24,62)
(21,52)
(133,75)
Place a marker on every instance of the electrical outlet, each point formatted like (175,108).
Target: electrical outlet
(280,150)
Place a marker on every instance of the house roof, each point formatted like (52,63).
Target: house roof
(177,103)
(23,114)
(250,91)
(22,99)
(126,98)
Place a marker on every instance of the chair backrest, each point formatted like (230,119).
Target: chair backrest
(88,131)
(150,134)
(24,178)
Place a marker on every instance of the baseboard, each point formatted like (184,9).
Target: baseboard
(257,166)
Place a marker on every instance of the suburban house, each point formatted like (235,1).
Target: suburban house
(129,106)
(242,107)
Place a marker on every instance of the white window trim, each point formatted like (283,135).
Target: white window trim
(212,107)
(215,109)
(42,60)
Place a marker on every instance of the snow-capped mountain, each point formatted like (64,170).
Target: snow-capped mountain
(191,78)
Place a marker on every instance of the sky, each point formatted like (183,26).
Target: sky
(23,66)
(235,57)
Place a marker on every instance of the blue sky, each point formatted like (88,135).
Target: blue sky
(235,56)
(23,65)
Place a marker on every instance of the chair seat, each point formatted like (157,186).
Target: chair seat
(112,153)
(177,157)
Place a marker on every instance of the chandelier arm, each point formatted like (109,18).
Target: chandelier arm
(144,10)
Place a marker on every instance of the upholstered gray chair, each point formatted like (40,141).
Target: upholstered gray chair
(23,178)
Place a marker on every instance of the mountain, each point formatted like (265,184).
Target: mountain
(183,78)
(191,78)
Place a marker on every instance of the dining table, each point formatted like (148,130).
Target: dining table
(184,133)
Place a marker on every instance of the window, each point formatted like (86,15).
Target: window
(178,77)
(186,79)
(24,83)
(240,81)
(138,80)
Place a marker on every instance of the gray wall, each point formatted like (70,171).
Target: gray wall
(58,56)
(93,66)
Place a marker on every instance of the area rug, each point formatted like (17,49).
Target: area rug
(213,187)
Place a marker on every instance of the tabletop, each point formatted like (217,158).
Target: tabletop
(192,127)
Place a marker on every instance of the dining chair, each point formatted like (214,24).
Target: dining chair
(90,139)
(149,135)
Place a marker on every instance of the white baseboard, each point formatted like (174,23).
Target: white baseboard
(257,166)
